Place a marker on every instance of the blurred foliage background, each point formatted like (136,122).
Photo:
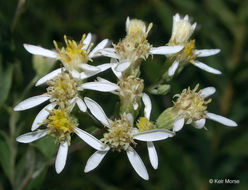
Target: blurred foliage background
(186,161)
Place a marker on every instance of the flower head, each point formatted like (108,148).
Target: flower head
(74,54)
(182,30)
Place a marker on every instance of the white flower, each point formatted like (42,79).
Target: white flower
(135,46)
(60,126)
(62,92)
(181,32)
(123,140)
(191,107)
(74,57)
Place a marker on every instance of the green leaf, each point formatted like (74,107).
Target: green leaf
(5,82)
(5,157)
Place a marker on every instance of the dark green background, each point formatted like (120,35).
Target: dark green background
(186,161)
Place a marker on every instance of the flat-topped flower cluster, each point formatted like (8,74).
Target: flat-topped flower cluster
(133,123)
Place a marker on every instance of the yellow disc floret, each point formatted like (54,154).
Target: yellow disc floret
(73,55)
(144,124)
(191,105)
(119,135)
(61,125)
(62,89)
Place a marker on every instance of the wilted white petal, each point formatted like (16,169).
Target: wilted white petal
(153,135)
(205,67)
(97,111)
(94,160)
(89,68)
(178,124)
(122,66)
(129,117)
(166,50)
(222,120)
(100,46)
(49,76)
(173,68)
(152,154)
(137,163)
(148,105)
(100,86)
(90,139)
(61,157)
(87,41)
(37,50)
(42,115)
(199,124)
(207,91)
(32,102)
(81,104)
(206,52)
(31,136)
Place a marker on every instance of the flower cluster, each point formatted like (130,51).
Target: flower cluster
(132,124)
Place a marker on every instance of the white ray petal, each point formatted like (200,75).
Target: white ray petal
(94,160)
(122,66)
(166,50)
(199,124)
(87,41)
(97,111)
(137,163)
(37,50)
(49,76)
(153,156)
(90,139)
(222,120)
(206,52)
(61,157)
(127,22)
(89,68)
(42,115)
(31,102)
(178,124)
(206,92)
(173,68)
(117,74)
(87,74)
(101,45)
(148,105)
(109,52)
(81,104)
(100,86)
(31,136)
(205,67)
(153,135)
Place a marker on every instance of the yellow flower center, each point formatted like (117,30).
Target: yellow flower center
(120,135)
(61,125)
(144,124)
(73,55)
(191,105)
(62,89)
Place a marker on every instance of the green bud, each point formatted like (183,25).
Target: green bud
(161,89)
(42,65)
(166,119)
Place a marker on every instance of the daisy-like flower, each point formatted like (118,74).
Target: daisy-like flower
(181,32)
(135,47)
(75,57)
(63,91)
(121,136)
(60,124)
(191,108)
